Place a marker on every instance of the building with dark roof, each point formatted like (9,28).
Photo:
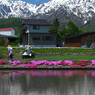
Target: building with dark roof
(36,22)
(80,40)
(36,33)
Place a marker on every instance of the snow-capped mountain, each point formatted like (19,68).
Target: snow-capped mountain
(80,11)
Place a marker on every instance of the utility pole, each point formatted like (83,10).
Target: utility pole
(28,36)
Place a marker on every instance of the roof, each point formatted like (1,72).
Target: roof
(36,22)
(82,34)
(6,29)
(9,36)
(79,35)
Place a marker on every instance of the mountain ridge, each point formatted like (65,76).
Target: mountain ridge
(79,11)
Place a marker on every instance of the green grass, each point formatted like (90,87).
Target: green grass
(64,50)
(61,57)
(70,56)
(49,50)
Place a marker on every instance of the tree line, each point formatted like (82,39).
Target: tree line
(70,29)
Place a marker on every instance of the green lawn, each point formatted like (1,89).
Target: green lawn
(61,57)
(58,50)
(70,56)
(50,50)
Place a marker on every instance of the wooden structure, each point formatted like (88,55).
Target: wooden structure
(80,40)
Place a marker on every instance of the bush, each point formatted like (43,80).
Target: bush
(15,43)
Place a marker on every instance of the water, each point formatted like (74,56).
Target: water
(47,83)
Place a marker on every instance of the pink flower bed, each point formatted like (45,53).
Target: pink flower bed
(2,62)
(46,63)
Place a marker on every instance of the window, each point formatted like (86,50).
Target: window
(36,27)
(89,42)
(36,38)
(47,38)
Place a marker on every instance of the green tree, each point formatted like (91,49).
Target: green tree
(16,23)
(55,27)
(56,23)
(71,29)
(74,30)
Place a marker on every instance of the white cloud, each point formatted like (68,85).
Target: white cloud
(5,0)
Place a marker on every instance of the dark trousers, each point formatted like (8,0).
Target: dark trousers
(11,57)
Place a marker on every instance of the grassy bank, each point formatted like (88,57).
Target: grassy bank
(61,57)
(4,50)
(72,54)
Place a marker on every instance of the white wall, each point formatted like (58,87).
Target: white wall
(11,33)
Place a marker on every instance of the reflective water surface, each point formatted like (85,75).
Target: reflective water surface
(47,83)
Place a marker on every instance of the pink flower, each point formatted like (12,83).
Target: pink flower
(15,62)
(93,62)
(2,62)
(83,60)
(75,65)
(89,66)
(30,65)
(68,62)
(53,62)
(43,66)
(38,62)
(48,63)
(26,62)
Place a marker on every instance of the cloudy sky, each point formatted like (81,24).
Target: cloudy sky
(35,1)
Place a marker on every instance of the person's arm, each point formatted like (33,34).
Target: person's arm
(9,51)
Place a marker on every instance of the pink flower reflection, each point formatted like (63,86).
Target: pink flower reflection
(15,74)
(38,73)
(93,73)
(53,73)
(68,73)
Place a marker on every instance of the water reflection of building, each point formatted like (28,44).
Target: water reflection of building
(4,88)
(68,83)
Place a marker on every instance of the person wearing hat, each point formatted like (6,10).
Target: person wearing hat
(10,50)
(28,49)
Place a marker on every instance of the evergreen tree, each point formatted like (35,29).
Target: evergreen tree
(55,27)
(56,23)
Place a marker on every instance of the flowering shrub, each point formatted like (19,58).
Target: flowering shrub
(38,62)
(26,62)
(46,63)
(75,65)
(93,62)
(2,62)
(15,62)
(68,62)
(53,62)
(81,63)
(28,65)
